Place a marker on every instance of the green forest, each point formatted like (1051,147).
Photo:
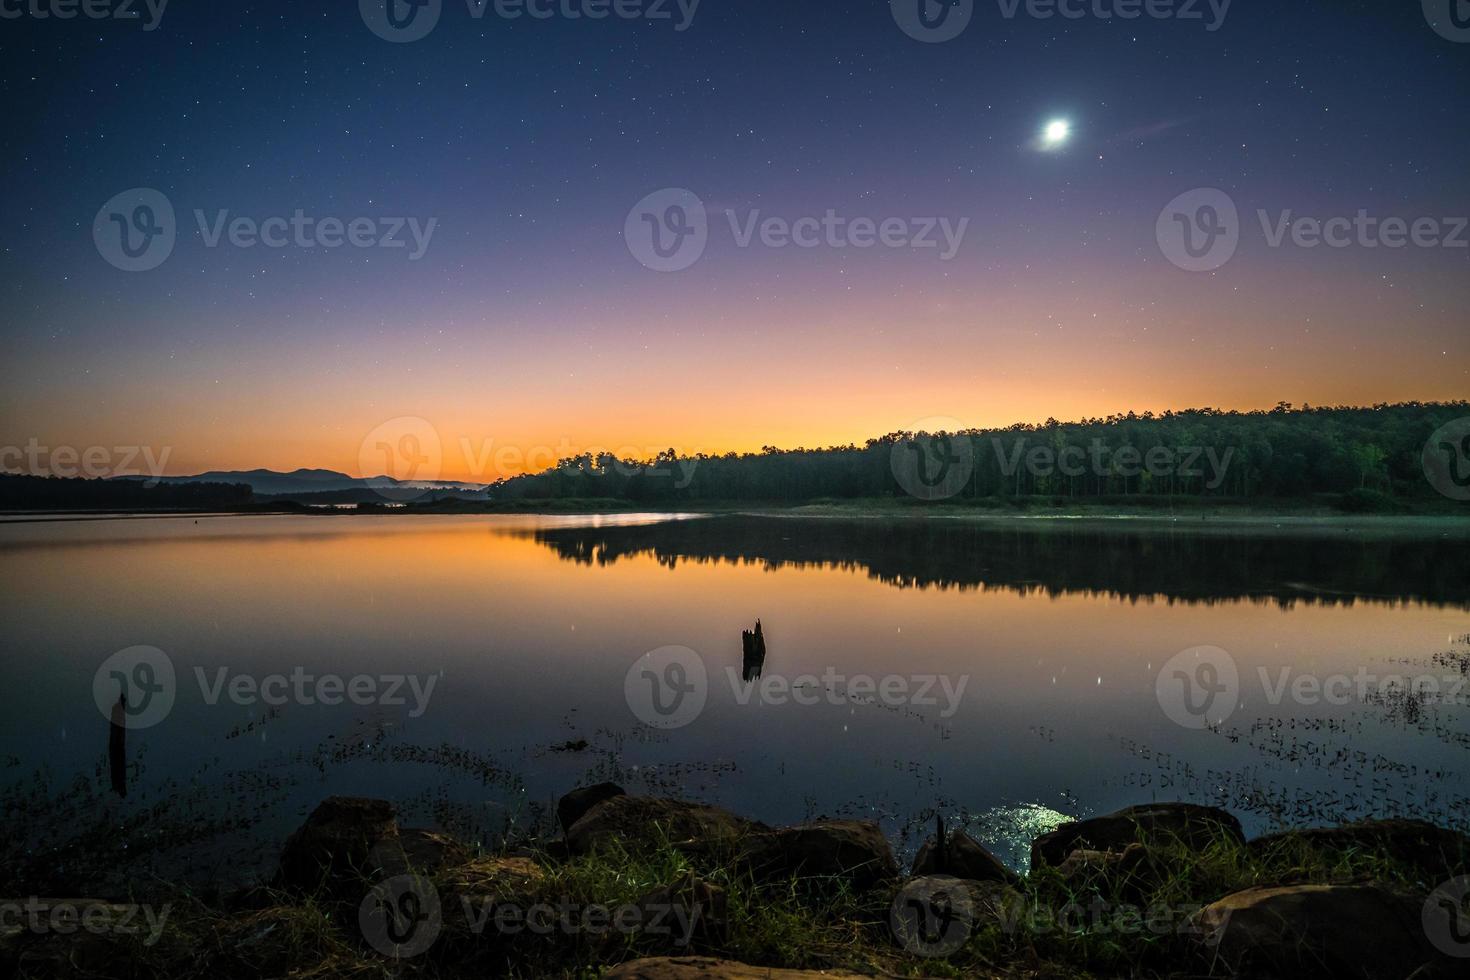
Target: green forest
(1361,458)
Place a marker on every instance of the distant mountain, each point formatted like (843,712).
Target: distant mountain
(313,481)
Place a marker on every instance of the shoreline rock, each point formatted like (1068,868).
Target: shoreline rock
(1322,932)
(1275,930)
(851,850)
(1194,825)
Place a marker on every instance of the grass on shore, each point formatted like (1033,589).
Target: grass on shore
(1092,925)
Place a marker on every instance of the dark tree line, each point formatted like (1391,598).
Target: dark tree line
(1285,452)
(19,492)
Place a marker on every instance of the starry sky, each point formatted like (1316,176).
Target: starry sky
(529,322)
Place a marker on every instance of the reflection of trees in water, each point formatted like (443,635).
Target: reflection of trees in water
(1184,564)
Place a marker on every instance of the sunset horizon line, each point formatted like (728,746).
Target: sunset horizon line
(469,463)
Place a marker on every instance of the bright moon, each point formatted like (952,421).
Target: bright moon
(1056,132)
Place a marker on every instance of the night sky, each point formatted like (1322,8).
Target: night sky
(528,321)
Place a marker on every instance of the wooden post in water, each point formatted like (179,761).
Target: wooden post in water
(753,646)
(941,846)
(117,746)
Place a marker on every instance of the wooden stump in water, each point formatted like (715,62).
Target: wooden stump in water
(754,646)
(117,746)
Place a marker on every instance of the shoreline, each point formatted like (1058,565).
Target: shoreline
(1227,520)
(657,888)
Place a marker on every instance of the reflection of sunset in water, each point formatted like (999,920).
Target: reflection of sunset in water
(530,627)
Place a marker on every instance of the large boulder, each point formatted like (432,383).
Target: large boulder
(1153,823)
(336,843)
(852,850)
(963,857)
(1320,932)
(707,968)
(643,822)
(573,806)
(1434,852)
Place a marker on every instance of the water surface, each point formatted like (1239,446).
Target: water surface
(1053,636)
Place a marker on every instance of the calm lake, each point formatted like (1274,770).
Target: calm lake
(1007,674)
